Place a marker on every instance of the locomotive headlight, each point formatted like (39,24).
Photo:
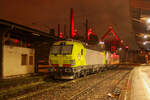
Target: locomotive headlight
(72,62)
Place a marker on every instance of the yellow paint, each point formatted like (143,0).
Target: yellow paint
(66,59)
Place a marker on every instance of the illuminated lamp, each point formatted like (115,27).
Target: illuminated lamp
(145,36)
(144,43)
(16,41)
(101,42)
(114,53)
(89,33)
(61,35)
(148,21)
(113,48)
(120,49)
(127,47)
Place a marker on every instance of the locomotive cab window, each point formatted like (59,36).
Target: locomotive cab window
(67,49)
(61,49)
(55,49)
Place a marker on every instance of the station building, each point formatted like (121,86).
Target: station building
(21,48)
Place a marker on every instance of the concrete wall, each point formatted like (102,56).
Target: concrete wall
(12,57)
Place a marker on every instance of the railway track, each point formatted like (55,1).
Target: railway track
(47,86)
(86,91)
(70,90)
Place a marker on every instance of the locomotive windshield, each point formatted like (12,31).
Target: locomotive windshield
(55,49)
(66,49)
(59,49)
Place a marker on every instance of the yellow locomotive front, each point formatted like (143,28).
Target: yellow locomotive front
(65,58)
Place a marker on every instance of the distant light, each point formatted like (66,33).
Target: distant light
(101,42)
(127,47)
(61,35)
(121,41)
(144,43)
(120,49)
(148,21)
(16,41)
(35,34)
(145,36)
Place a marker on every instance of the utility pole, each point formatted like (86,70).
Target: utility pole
(58,29)
(86,29)
(65,31)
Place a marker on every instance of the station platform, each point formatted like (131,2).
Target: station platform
(138,85)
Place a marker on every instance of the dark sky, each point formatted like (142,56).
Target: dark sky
(45,14)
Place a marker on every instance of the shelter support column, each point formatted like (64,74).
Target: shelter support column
(1,54)
(36,60)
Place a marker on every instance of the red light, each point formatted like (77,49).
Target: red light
(66,65)
(72,24)
(16,41)
(56,65)
(114,53)
(89,33)
(113,48)
(127,47)
(61,35)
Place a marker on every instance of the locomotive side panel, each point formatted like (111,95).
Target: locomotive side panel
(94,57)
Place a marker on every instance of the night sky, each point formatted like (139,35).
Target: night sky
(45,14)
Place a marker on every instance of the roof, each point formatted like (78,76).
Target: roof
(25,31)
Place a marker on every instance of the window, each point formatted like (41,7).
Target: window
(30,60)
(55,49)
(67,49)
(58,49)
(81,51)
(24,59)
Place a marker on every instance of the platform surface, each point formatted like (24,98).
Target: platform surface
(138,87)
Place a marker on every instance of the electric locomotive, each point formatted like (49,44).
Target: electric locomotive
(71,59)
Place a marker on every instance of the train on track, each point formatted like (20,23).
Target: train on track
(72,59)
